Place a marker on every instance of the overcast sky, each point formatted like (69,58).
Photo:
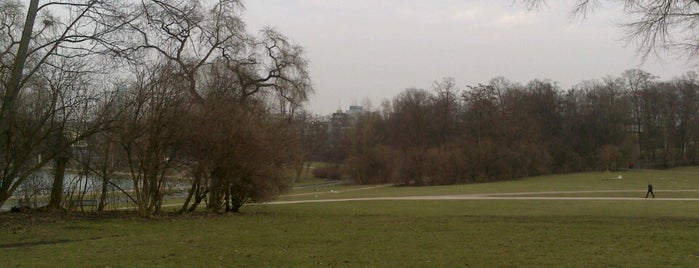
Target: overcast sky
(375,49)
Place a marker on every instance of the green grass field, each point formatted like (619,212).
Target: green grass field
(407,233)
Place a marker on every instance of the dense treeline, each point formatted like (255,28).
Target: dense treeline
(502,130)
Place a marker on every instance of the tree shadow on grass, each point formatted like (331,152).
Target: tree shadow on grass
(42,242)
(35,243)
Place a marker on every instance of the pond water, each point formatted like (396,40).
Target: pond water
(38,186)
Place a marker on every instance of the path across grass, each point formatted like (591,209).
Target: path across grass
(511,196)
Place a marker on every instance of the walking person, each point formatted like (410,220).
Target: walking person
(650,191)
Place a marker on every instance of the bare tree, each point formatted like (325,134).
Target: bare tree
(100,156)
(638,84)
(32,43)
(362,162)
(263,79)
(687,87)
(251,139)
(448,107)
(148,134)
(70,82)
(241,156)
(412,132)
(655,26)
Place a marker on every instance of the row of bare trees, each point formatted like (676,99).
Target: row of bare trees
(504,130)
(152,92)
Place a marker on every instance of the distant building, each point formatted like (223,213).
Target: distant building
(341,121)
(355,110)
(338,125)
(327,133)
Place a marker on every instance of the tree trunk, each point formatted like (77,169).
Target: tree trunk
(103,194)
(299,171)
(216,192)
(308,169)
(18,67)
(11,92)
(197,200)
(190,194)
(57,187)
(3,197)
(236,208)
(236,202)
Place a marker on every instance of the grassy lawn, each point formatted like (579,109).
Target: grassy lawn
(450,233)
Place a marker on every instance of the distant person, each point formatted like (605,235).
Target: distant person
(650,191)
